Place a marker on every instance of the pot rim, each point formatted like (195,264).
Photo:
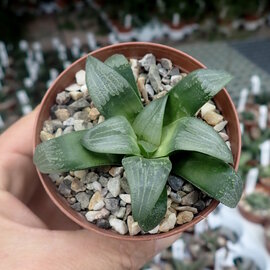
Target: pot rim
(90,226)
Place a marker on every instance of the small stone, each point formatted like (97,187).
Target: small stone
(154,78)
(76,206)
(84,90)
(45,136)
(77,185)
(58,132)
(95,215)
(80,174)
(166,81)
(224,136)
(141,87)
(184,74)
(175,182)
(159,95)
(125,197)
(64,189)
(115,171)
(200,205)
(112,204)
(162,72)
(54,176)
(175,79)
(83,198)
(185,208)
(175,197)
(191,198)
(79,125)
(76,95)
(174,71)
(149,90)
(101,119)
(184,217)
(80,77)
(228,144)
(71,200)
(118,225)
(62,114)
(122,203)
(128,211)
(81,115)
(97,186)
(103,181)
(48,126)
(212,118)
(79,104)
(69,122)
(133,227)
(114,186)
(73,87)
(166,63)
(68,130)
(109,195)
(220,126)
(104,192)
(155,230)
(169,202)
(62,98)
(94,114)
(103,224)
(91,177)
(147,61)
(168,223)
(124,185)
(135,68)
(96,202)
(120,213)
(187,188)
(166,88)
(207,107)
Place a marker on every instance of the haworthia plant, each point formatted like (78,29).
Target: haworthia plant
(150,142)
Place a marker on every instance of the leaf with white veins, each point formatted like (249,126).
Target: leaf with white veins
(111,92)
(147,179)
(114,136)
(65,153)
(193,91)
(192,134)
(119,63)
(211,175)
(148,123)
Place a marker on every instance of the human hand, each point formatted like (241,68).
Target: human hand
(34,234)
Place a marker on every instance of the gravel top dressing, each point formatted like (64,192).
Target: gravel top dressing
(102,194)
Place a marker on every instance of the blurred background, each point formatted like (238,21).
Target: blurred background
(39,39)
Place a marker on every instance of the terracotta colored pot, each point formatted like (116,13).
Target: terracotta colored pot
(251,215)
(135,50)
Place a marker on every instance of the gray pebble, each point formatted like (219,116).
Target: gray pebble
(83,198)
(148,60)
(149,90)
(90,178)
(162,72)
(191,198)
(124,185)
(81,115)
(69,122)
(103,223)
(154,78)
(79,104)
(187,187)
(175,197)
(76,206)
(200,205)
(62,98)
(174,71)
(64,189)
(112,204)
(175,182)
(166,63)
(68,130)
(103,181)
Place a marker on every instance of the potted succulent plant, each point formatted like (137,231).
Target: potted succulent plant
(264,176)
(151,140)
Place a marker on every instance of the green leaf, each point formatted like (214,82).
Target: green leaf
(192,134)
(111,92)
(193,91)
(157,213)
(148,123)
(211,175)
(114,136)
(147,179)
(147,149)
(65,153)
(120,63)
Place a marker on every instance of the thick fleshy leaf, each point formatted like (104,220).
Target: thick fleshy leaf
(147,179)
(147,149)
(192,134)
(65,153)
(114,136)
(157,213)
(193,91)
(213,176)
(120,63)
(111,92)
(148,123)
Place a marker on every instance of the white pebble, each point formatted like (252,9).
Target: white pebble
(125,197)
(80,77)
(73,87)
(118,225)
